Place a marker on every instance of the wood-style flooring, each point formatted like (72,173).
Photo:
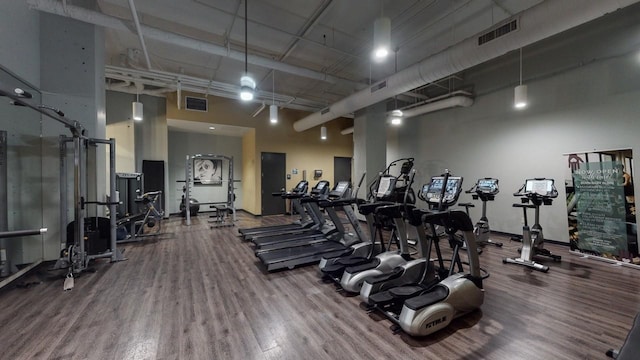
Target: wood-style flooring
(200,293)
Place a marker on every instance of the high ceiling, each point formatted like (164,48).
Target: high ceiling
(320,49)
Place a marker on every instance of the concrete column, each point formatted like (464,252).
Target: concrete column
(369,142)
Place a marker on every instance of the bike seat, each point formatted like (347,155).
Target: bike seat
(467,204)
(530,206)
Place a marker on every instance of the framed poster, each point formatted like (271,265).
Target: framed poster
(207,172)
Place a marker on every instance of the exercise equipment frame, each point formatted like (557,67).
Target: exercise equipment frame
(189,181)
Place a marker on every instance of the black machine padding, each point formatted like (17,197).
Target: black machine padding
(436,294)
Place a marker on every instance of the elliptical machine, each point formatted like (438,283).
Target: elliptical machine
(484,189)
(534,193)
(421,271)
(387,190)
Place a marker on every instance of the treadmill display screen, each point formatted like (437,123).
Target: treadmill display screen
(321,185)
(487,186)
(341,187)
(540,187)
(433,190)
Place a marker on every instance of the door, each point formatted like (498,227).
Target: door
(341,169)
(273,180)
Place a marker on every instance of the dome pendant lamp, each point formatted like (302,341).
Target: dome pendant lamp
(247,84)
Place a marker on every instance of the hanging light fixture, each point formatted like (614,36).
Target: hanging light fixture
(137,109)
(396,115)
(323,133)
(247,84)
(381,38)
(520,92)
(273,109)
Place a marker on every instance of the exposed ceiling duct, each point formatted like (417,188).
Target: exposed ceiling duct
(539,22)
(450,102)
(96,18)
(347,131)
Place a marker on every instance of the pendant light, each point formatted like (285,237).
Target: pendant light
(520,92)
(396,115)
(247,84)
(273,109)
(323,133)
(137,109)
(381,36)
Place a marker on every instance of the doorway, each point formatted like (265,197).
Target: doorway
(341,169)
(273,176)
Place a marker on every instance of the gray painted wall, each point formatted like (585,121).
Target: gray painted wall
(584,88)
(186,143)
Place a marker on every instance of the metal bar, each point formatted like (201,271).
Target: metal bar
(19,233)
(63,191)
(4,219)
(187,197)
(112,198)
(73,125)
(23,271)
(79,263)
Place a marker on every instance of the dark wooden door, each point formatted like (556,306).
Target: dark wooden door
(273,180)
(341,169)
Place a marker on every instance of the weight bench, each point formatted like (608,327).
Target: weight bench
(631,347)
(219,218)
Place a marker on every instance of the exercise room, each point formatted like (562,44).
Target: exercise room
(319,179)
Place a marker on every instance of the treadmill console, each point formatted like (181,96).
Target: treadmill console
(321,188)
(301,188)
(540,186)
(431,192)
(487,186)
(340,189)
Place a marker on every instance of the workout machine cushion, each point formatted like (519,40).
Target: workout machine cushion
(631,347)
(435,294)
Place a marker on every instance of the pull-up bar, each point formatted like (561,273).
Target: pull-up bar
(19,233)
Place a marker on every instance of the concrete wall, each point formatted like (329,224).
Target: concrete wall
(583,95)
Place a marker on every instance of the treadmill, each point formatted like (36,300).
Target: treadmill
(292,256)
(308,202)
(294,195)
(332,230)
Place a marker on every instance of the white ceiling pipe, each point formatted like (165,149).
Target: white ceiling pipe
(539,22)
(133,90)
(134,14)
(463,101)
(347,131)
(96,18)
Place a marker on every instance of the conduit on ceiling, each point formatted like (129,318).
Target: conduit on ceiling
(539,22)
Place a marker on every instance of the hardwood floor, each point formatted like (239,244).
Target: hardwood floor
(201,294)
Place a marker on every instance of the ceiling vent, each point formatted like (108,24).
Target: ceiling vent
(196,103)
(378,86)
(325,110)
(499,31)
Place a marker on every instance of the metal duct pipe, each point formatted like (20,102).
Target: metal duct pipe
(463,101)
(347,131)
(548,18)
(133,90)
(96,18)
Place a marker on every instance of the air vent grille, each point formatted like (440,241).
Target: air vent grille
(196,103)
(378,86)
(324,111)
(498,32)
